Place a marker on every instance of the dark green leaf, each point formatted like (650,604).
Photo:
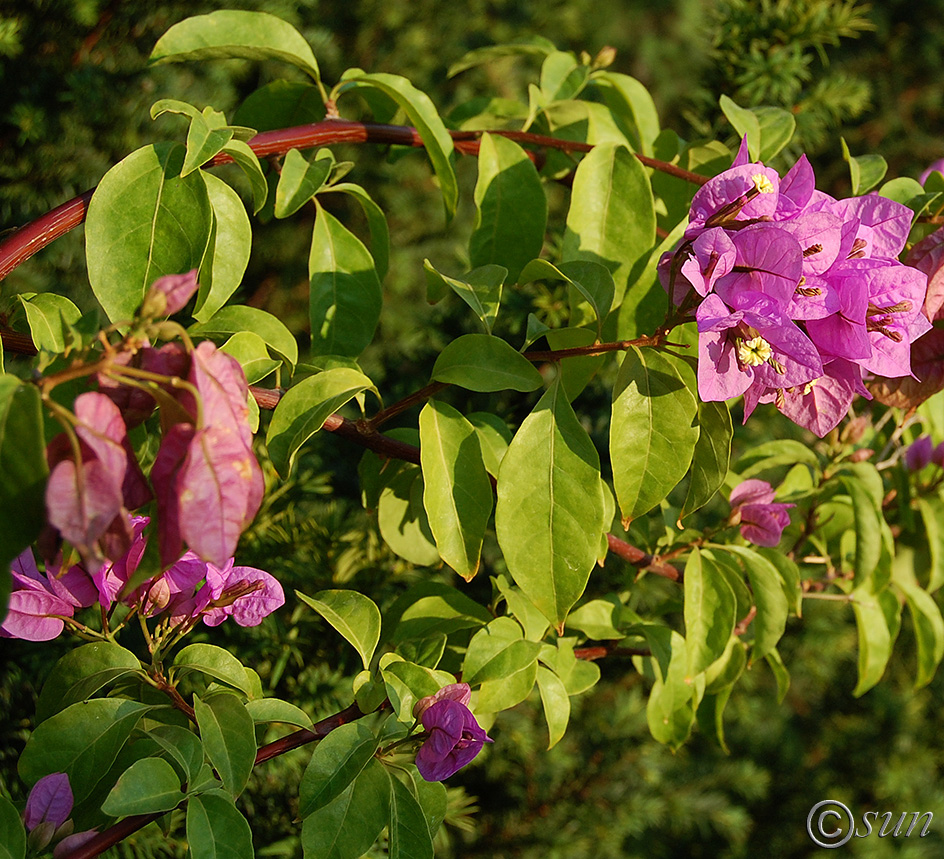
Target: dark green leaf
(215,662)
(147,786)
(216,829)
(409,836)
(376,222)
(337,760)
(228,735)
(481,289)
(12,831)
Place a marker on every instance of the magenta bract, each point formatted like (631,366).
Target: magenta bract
(455,738)
(50,801)
(762,519)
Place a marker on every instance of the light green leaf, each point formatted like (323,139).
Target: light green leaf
(674,698)
(868,530)
(228,735)
(346,296)
(781,675)
(777,127)
(227,253)
(536,46)
(430,608)
(215,662)
(204,141)
(457,493)
(144,221)
(81,673)
(591,280)
(932,515)
(304,408)
(494,696)
(511,207)
(299,181)
(481,289)
(431,796)
(562,77)
(216,829)
(403,521)
(337,760)
(236,318)
(49,316)
(789,578)
(147,786)
(251,351)
(628,99)
(481,362)
(229,33)
(352,614)
(494,438)
(23,470)
(556,704)
(82,741)
(878,619)
(347,827)
(408,832)
(865,171)
(248,162)
(12,831)
(928,627)
(376,223)
(523,610)
(549,514)
(774,454)
(709,613)
(425,118)
(712,455)
(612,218)
(497,651)
(596,620)
(745,122)
(277,710)
(652,432)
(182,747)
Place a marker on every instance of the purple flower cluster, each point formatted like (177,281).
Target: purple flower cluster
(47,816)
(455,738)
(798,295)
(189,590)
(762,519)
(923,452)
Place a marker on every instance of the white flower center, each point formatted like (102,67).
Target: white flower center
(754,352)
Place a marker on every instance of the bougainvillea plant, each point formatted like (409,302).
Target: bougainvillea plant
(688,279)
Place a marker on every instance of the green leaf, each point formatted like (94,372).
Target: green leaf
(352,614)
(431,796)
(299,181)
(424,117)
(481,362)
(433,607)
(745,122)
(12,831)
(216,829)
(709,613)
(253,355)
(562,77)
(577,370)
(496,695)
(481,289)
(878,618)
(612,217)
(337,760)
(674,698)
(932,515)
(304,408)
(928,628)
(281,104)
(81,673)
(144,221)
(511,207)
(408,833)
(596,620)
(277,710)
(347,827)
(549,514)
(147,786)
(523,610)
(237,318)
(774,454)
(769,597)
(497,651)
(777,127)
(203,143)
(789,578)
(346,296)
(865,171)
(652,432)
(591,280)
(457,493)
(49,316)
(183,748)
(82,741)
(537,46)
(494,438)
(215,662)
(711,457)
(248,162)
(406,683)
(868,529)
(376,223)
(781,675)
(228,33)
(23,468)
(556,704)
(229,737)
(628,99)
(403,521)
(227,254)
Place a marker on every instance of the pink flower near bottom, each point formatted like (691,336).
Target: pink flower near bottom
(455,738)
(762,519)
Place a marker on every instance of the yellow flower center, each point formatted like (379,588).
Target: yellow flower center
(754,352)
(762,183)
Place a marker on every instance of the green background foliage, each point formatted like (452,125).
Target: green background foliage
(76,95)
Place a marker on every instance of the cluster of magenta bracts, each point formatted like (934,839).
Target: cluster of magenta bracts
(205,481)
(47,816)
(797,296)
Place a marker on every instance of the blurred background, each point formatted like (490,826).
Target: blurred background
(75,91)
